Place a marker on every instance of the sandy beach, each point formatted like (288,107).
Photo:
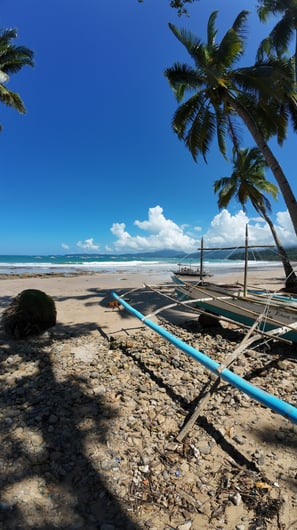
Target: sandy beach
(91,412)
(82,300)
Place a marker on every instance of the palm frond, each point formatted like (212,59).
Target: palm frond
(200,133)
(292,106)
(264,49)
(282,123)
(272,78)
(186,113)
(266,8)
(220,183)
(247,182)
(13,58)
(231,49)
(239,24)
(211,29)
(226,189)
(232,44)
(261,204)
(182,78)
(11,99)
(187,38)
(282,33)
(222,131)
(234,129)
(6,35)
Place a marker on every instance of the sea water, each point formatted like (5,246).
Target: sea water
(78,263)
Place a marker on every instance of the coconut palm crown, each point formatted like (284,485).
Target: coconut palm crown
(12,59)
(248,183)
(285,29)
(219,93)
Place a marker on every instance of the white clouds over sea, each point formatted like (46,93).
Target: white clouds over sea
(225,229)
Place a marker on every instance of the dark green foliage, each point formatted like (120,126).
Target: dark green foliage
(31,313)
(179,5)
(218,92)
(12,59)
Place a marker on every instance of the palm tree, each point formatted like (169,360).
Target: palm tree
(219,93)
(12,59)
(284,31)
(248,182)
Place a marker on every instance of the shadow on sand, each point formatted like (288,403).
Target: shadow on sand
(47,478)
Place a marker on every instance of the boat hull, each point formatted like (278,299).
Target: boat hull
(240,309)
(274,403)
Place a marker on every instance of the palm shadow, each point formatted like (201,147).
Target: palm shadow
(47,425)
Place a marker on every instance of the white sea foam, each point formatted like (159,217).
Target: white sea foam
(215,266)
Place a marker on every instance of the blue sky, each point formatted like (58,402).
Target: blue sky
(94,164)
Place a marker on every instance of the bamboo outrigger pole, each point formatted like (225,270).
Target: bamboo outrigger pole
(246,256)
(246,247)
(201,261)
(269,400)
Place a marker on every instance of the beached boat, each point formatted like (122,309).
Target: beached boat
(240,304)
(231,302)
(289,299)
(269,400)
(190,270)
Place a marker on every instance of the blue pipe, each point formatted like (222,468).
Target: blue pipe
(274,403)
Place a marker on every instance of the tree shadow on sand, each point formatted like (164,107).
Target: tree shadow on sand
(49,479)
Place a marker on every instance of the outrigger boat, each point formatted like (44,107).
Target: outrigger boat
(244,309)
(242,305)
(190,270)
(220,370)
(265,318)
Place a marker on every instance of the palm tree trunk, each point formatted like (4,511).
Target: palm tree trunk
(295,55)
(291,278)
(276,169)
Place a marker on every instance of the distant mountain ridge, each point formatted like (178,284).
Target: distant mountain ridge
(264,254)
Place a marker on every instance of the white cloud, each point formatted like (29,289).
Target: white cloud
(286,230)
(225,229)
(87,244)
(65,246)
(162,234)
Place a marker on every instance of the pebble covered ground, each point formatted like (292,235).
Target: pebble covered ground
(89,428)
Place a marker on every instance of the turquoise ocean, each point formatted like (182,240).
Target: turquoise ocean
(79,263)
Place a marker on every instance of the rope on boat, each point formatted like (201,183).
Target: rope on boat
(268,400)
(269,335)
(233,305)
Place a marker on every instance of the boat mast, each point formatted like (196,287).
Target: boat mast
(246,255)
(201,260)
